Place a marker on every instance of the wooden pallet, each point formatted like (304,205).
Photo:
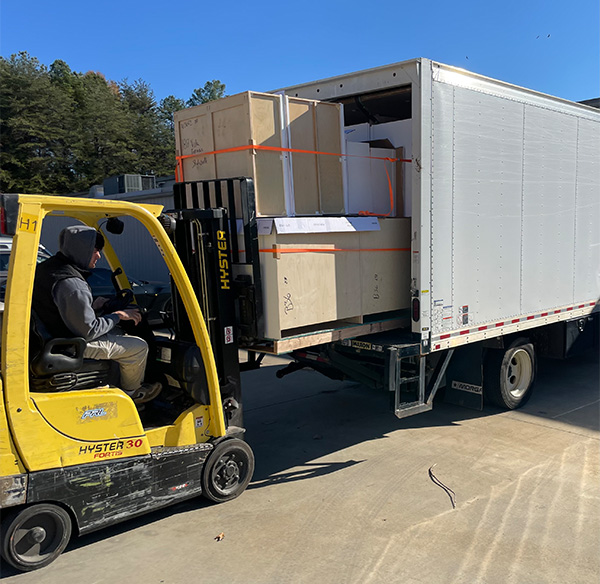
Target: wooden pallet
(310,339)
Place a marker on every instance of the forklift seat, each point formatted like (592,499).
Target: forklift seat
(58,364)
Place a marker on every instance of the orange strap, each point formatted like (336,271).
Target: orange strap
(391,191)
(280,149)
(180,159)
(326,249)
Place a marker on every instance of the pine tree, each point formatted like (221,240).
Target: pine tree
(212,90)
(63,131)
(34,119)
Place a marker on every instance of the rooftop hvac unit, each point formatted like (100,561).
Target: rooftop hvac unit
(128,183)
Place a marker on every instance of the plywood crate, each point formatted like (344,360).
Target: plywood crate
(303,288)
(368,273)
(318,179)
(286,183)
(239,120)
(385,261)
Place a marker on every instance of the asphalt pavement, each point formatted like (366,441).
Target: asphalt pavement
(345,493)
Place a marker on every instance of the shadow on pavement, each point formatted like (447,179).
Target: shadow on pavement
(294,422)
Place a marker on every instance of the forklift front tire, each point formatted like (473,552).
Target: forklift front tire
(228,470)
(35,536)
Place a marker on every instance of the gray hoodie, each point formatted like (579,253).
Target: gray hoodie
(73,296)
(77,243)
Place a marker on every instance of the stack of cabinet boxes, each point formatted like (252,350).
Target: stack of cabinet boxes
(309,201)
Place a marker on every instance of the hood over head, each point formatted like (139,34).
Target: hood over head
(77,243)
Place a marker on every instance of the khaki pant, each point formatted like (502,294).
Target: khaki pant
(129,352)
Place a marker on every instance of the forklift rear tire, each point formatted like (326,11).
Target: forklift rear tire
(35,536)
(509,375)
(228,470)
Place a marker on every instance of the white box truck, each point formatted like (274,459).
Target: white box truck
(501,186)
(504,202)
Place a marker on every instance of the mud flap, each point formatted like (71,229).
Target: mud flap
(464,378)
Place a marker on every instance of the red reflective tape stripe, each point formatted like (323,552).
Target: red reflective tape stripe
(544,314)
(515,320)
(482,328)
(442,337)
(570,308)
(464,332)
(556,311)
(592,304)
(437,347)
(499,324)
(581,306)
(530,317)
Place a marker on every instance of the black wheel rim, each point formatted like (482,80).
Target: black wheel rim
(229,472)
(37,538)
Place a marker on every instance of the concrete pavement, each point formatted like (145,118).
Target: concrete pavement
(342,494)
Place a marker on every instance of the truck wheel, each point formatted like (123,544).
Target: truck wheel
(509,376)
(35,536)
(228,470)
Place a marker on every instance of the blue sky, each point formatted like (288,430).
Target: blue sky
(548,46)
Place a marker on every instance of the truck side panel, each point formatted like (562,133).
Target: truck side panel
(587,197)
(548,203)
(514,204)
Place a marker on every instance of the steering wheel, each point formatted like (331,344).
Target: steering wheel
(120,301)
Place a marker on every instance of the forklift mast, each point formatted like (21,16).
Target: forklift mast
(211,217)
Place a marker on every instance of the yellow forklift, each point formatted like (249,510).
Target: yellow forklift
(76,454)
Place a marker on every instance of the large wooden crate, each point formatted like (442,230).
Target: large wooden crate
(239,120)
(286,183)
(318,179)
(365,273)
(385,267)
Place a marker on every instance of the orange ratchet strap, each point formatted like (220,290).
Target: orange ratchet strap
(180,159)
(278,250)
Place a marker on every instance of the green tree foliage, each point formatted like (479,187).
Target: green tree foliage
(168,106)
(62,131)
(34,132)
(212,90)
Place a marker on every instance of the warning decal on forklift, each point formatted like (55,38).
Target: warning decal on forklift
(467,387)
(228,335)
(164,355)
(159,246)
(200,422)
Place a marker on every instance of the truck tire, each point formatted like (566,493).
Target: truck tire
(509,375)
(34,536)
(228,470)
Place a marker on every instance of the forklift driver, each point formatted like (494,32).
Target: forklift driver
(63,300)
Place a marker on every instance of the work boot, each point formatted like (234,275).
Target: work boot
(145,392)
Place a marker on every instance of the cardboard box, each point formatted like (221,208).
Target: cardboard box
(368,188)
(399,134)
